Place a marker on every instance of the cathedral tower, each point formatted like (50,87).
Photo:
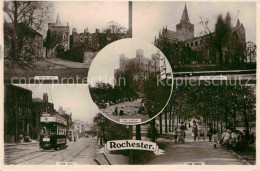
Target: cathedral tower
(185,28)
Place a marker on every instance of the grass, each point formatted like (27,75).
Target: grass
(42,68)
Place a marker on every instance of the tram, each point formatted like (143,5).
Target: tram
(53,131)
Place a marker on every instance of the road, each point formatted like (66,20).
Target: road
(81,152)
(130,109)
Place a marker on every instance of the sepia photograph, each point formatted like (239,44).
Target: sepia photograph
(156,84)
(201,38)
(47,124)
(130,81)
(56,38)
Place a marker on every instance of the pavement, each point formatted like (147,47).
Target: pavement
(199,151)
(81,152)
(130,109)
(25,143)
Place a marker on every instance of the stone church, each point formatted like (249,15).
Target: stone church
(182,47)
(59,36)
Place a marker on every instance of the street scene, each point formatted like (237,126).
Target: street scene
(191,130)
(133,84)
(41,39)
(42,126)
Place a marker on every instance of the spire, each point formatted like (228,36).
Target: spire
(238,24)
(242,26)
(58,22)
(228,19)
(185,16)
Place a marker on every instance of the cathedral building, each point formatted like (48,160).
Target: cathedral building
(182,47)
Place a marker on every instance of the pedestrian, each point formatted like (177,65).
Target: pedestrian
(180,136)
(204,134)
(175,135)
(183,128)
(195,130)
(116,110)
(215,139)
(210,132)
(121,113)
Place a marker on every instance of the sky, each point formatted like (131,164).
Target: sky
(93,15)
(73,98)
(150,17)
(107,60)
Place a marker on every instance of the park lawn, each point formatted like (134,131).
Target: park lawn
(42,68)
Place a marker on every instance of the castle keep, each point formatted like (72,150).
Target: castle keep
(139,65)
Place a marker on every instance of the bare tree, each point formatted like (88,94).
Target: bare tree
(216,39)
(32,13)
(115,27)
(250,50)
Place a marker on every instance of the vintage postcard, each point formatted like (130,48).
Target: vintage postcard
(158,85)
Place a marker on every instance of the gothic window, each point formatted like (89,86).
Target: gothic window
(191,44)
(196,43)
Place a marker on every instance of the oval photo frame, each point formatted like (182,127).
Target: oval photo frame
(134,85)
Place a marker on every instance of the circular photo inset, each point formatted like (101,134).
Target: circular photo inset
(130,81)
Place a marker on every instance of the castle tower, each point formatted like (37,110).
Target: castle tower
(58,22)
(139,53)
(185,28)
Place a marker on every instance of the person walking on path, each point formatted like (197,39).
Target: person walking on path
(195,130)
(210,132)
(204,134)
(183,128)
(175,135)
(121,112)
(116,110)
(215,139)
